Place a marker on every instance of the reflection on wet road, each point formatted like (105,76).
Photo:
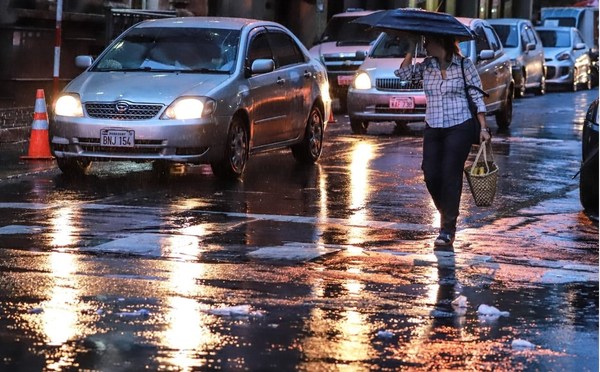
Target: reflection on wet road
(304,268)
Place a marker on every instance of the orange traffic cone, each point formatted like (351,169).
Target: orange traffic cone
(39,143)
(331,118)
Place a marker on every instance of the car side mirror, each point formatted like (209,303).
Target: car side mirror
(579,46)
(262,65)
(361,55)
(83,61)
(529,46)
(486,54)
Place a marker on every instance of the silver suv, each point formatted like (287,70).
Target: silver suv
(524,47)
(342,49)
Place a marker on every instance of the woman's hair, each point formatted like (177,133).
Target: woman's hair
(449,44)
(451,47)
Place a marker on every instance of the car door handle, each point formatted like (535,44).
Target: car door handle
(280,81)
(307,74)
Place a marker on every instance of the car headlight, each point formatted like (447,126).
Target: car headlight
(190,108)
(362,81)
(68,105)
(563,56)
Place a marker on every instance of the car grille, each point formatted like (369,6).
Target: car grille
(329,58)
(398,84)
(385,109)
(342,68)
(133,112)
(550,72)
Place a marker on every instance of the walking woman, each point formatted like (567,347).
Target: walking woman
(449,129)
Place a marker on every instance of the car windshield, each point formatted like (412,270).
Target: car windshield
(509,36)
(392,46)
(200,50)
(344,32)
(555,39)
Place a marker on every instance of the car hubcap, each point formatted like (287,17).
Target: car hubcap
(316,133)
(238,148)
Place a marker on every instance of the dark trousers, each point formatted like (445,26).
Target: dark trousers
(445,151)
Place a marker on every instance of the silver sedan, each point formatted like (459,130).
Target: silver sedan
(193,90)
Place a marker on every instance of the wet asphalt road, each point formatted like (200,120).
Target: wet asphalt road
(304,268)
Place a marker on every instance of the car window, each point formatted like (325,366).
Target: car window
(481,41)
(390,46)
(532,36)
(578,38)
(259,48)
(508,35)
(555,39)
(285,50)
(492,38)
(171,49)
(525,39)
(344,32)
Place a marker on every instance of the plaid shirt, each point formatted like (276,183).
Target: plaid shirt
(446,100)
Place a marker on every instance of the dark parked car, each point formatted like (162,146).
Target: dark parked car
(588,178)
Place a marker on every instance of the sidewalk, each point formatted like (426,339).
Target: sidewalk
(12,166)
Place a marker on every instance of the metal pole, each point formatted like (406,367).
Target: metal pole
(57,42)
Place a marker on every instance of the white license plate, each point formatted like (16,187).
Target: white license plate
(117,137)
(345,79)
(402,103)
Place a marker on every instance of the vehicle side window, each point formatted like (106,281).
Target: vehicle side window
(578,38)
(259,48)
(285,50)
(532,36)
(525,37)
(492,39)
(481,41)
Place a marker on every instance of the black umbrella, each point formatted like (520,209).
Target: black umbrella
(417,21)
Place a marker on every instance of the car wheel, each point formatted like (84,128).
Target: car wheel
(358,126)
(520,92)
(401,127)
(309,150)
(504,116)
(73,166)
(235,157)
(343,101)
(541,90)
(588,84)
(588,187)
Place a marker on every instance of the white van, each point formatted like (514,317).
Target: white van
(342,49)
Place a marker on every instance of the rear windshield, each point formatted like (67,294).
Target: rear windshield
(173,49)
(509,36)
(555,39)
(392,46)
(344,32)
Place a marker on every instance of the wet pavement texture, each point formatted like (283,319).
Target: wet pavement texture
(328,267)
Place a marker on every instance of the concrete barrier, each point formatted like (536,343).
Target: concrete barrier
(15,124)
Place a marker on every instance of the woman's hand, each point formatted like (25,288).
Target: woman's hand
(485,135)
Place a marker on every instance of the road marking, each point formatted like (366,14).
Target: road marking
(254,216)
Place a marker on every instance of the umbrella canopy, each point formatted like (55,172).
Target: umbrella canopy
(417,21)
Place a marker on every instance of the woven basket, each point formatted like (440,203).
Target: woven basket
(483,186)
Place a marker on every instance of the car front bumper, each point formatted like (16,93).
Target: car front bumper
(559,73)
(184,141)
(374,105)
